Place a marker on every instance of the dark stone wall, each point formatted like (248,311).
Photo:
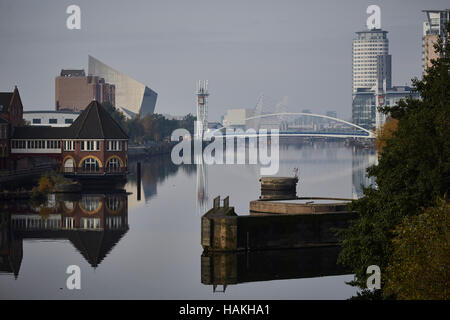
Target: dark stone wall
(260,232)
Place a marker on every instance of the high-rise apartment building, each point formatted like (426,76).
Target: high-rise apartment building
(74,90)
(433,27)
(367,47)
(372,75)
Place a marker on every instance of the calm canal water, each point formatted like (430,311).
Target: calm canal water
(150,248)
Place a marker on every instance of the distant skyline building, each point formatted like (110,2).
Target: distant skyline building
(132,97)
(366,101)
(367,46)
(74,90)
(236,118)
(331,113)
(372,76)
(433,27)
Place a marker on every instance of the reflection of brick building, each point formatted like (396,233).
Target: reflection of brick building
(93,223)
(11,111)
(94,145)
(74,90)
(11,248)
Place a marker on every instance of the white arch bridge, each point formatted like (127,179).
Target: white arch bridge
(363,133)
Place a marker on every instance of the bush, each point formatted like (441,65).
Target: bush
(45,185)
(419,267)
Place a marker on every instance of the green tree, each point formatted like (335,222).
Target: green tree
(151,127)
(115,114)
(413,170)
(419,266)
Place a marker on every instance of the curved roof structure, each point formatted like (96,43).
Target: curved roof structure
(132,96)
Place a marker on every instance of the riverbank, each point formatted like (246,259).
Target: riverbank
(150,149)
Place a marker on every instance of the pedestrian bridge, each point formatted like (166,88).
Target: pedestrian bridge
(358,131)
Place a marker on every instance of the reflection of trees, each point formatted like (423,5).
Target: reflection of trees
(156,170)
(361,159)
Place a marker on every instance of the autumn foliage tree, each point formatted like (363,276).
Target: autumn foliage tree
(419,266)
(385,133)
(413,170)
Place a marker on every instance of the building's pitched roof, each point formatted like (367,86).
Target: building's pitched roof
(41,132)
(96,123)
(5,100)
(95,245)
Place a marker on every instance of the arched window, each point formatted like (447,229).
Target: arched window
(113,202)
(113,165)
(68,165)
(90,204)
(90,165)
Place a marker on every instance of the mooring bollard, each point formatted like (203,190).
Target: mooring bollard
(216,203)
(138,174)
(281,188)
(226,202)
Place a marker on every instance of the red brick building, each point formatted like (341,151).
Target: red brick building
(94,145)
(11,111)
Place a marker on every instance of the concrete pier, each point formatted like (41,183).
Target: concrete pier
(224,230)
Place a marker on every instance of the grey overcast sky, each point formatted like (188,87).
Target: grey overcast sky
(299,49)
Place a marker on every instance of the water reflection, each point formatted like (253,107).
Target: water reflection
(93,223)
(155,172)
(164,234)
(202,187)
(225,268)
(362,158)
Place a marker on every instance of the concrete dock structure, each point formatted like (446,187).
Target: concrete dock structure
(223,230)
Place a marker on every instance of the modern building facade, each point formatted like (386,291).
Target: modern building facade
(132,97)
(74,90)
(372,77)
(61,118)
(433,27)
(367,47)
(364,107)
(235,118)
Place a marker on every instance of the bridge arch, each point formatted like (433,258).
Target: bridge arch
(371,134)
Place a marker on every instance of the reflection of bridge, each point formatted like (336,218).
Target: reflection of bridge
(362,133)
